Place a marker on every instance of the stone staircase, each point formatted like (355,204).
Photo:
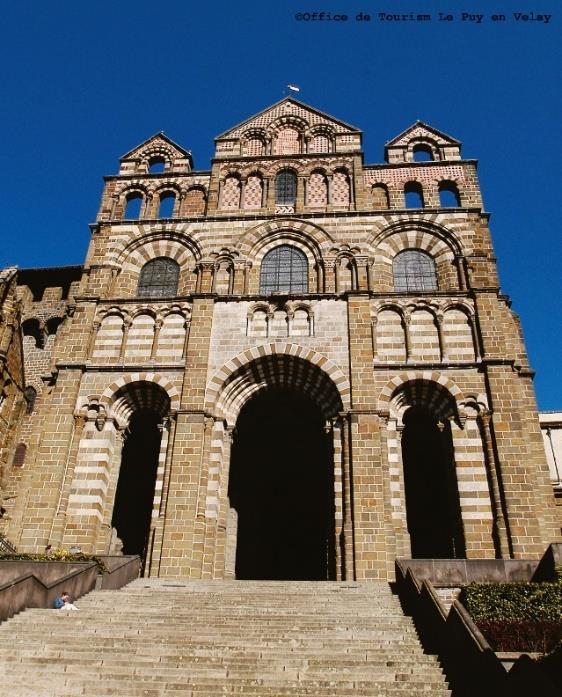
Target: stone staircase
(164,638)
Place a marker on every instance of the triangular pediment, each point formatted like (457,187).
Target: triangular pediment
(421,130)
(159,141)
(288,107)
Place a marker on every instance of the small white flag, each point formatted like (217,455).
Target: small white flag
(294,88)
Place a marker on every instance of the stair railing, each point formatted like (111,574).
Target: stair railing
(6,547)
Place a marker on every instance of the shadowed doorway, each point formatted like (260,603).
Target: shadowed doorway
(132,512)
(282,487)
(432,498)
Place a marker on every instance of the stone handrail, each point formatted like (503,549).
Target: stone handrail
(26,584)
(6,546)
(471,666)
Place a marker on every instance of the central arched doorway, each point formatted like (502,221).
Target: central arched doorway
(282,488)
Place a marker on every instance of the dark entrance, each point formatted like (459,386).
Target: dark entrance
(134,498)
(432,499)
(282,486)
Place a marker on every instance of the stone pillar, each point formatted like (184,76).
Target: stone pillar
(372,531)
(494,479)
(52,455)
(224,512)
(159,523)
(179,556)
(347,495)
(57,528)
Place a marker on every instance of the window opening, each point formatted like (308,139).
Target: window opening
(19,455)
(413,195)
(167,203)
(284,269)
(413,271)
(30,395)
(449,195)
(159,278)
(285,188)
(156,165)
(422,153)
(133,206)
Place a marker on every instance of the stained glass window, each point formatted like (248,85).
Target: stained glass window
(414,270)
(284,269)
(285,188)
(159,278)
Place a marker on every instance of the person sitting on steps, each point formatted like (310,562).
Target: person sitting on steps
(64,602)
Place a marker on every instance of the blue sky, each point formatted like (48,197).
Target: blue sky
(83,83)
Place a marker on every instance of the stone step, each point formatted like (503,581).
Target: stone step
(167,638)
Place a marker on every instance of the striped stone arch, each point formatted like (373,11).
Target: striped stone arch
(132,255)
(277,365)
(459,304)
(137,385)
(133,186)
(437,241)
(168,186)
(421,387)
(310,238)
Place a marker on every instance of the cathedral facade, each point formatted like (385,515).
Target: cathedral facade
(292,366)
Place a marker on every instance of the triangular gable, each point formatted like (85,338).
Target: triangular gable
(288,107)
(421,130)
(156,140)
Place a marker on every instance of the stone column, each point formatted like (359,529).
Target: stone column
(57,528)
(161,520)
(493,471)
(347,483)
(155,338)
(179,556)
(224,512)
(372,534)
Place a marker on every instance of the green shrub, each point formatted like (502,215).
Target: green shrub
(57,555)
(513,601)
(516,616)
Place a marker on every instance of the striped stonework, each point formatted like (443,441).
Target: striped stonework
(375,349)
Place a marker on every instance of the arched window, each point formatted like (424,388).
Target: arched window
(449,195)
(53,325)
(167,203)
(422,153)
(159,278)
(288,142)
(254,147)
(30,395)
(284,269)
(319,143)
(156,165)
(413,195)
(285,188)
(414,270)
(380,196)
(230,194)
(19,455)
(133,205)
(31,327)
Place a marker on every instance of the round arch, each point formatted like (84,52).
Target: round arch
(134,390)
(314,238)
(277,365)
(413,388)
